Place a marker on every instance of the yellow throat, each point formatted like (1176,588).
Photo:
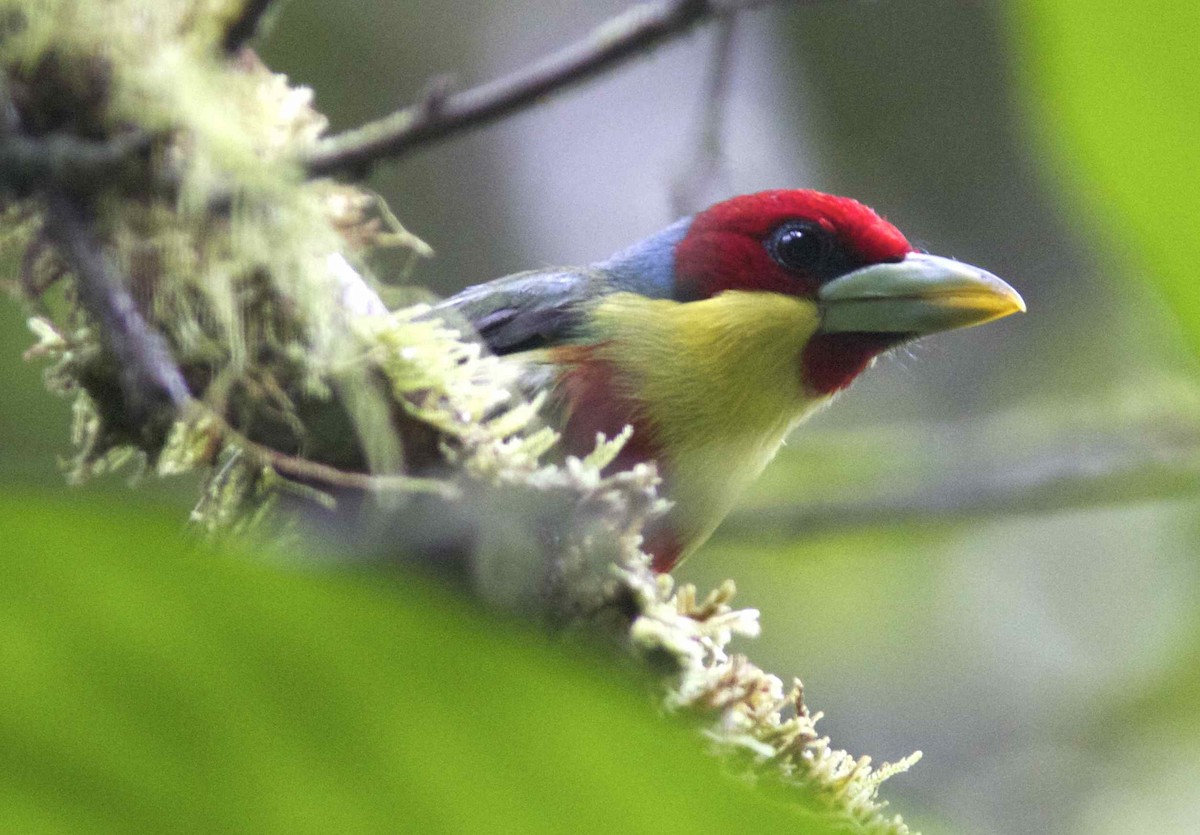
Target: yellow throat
(720,380)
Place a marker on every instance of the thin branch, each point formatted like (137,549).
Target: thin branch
(314,472)
(149,375)
(1037,490)
(246,25)
(64,162)
(620,39)
(690,191)
(68,163)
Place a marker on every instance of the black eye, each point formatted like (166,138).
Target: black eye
(800,246)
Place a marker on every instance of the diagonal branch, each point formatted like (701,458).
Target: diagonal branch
(620,39)
(692,186)
(149,376)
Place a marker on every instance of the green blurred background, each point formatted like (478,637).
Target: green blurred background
(1041,651)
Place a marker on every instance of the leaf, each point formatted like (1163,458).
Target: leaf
(1114,87)
(154,687)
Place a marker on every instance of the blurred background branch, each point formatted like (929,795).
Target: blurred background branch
(695,186)
(442,114)
(1034,487)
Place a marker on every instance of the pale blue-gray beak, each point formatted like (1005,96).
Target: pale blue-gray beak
(920,295)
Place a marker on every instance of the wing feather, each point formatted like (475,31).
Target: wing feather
(528,310)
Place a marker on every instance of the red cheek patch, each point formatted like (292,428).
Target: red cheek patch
(831,361)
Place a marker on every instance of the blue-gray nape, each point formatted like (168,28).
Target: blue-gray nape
(648,267)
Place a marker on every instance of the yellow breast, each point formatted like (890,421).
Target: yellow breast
(720,380)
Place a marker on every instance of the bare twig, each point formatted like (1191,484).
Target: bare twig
(149,375)
(1041,489)
(246,25)
(316,473)
(622,38)
(690,191)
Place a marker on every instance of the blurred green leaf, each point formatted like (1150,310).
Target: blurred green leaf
(33,424)
(1115,87)
(151,687)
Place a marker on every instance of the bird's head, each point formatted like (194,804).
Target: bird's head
(872,289)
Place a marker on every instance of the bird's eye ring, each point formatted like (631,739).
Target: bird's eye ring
(800,246)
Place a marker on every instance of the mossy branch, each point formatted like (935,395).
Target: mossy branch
(220,318)
(147,370)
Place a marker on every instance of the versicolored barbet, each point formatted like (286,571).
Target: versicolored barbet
(716,336)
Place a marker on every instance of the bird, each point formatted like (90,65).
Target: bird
(713,338)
